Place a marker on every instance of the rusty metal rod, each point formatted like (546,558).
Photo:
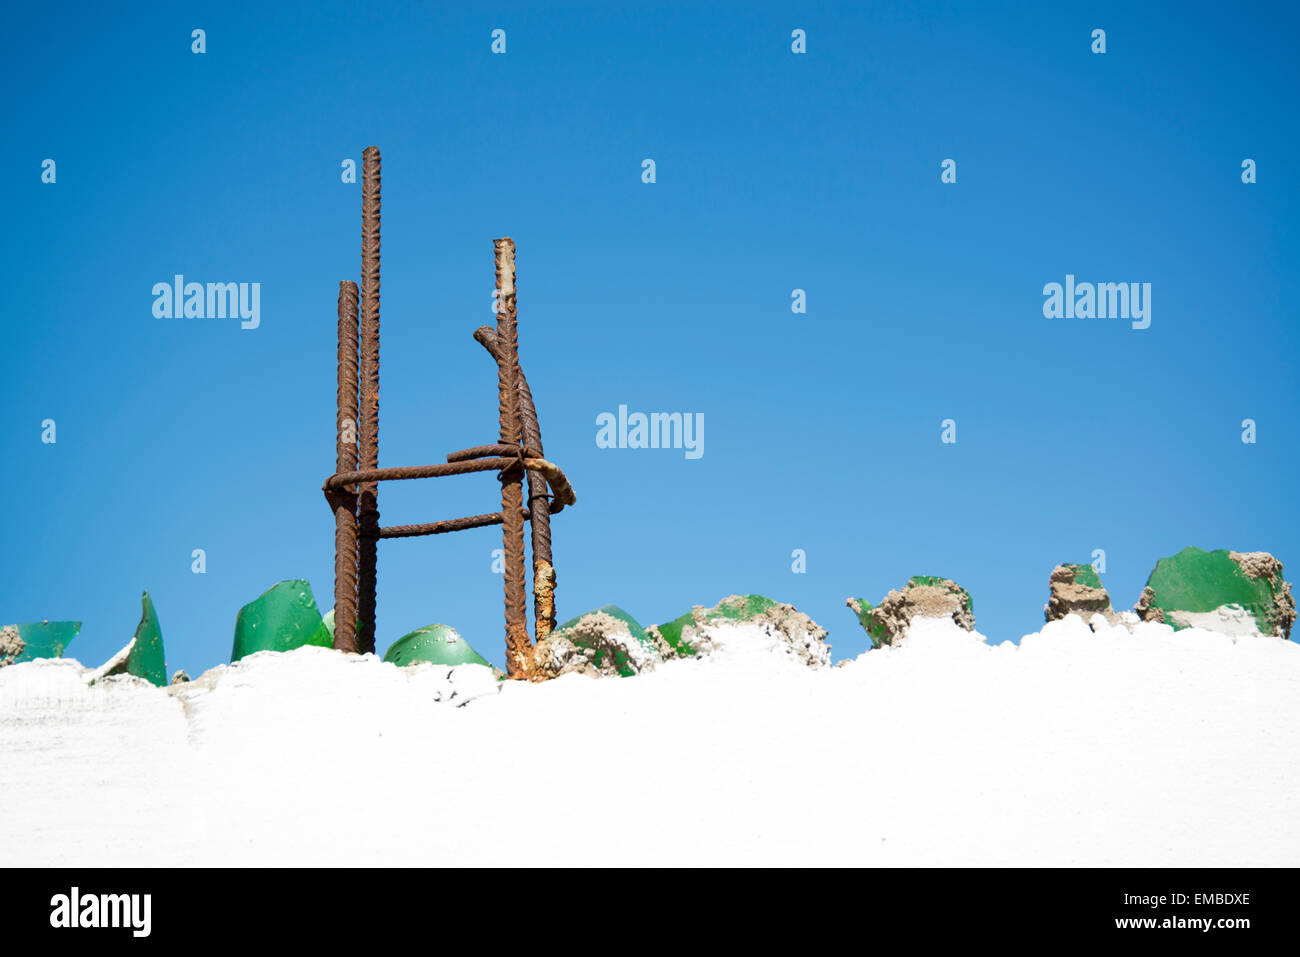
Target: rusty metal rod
(564,494)
(439,528)
(531,436)
(402,472)
(345,515)
(479,451)
(352,491)
(336,485)
(546,473)
(519,650)
(368,424)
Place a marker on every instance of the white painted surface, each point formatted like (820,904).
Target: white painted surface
(1114,748)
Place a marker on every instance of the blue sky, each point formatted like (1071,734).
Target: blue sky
(775,171)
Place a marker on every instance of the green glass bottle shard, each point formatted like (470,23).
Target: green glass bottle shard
(672,633)
(282,618)
(329,624)
(870,621)
(147,659)
(36,639)
(733,608)
(438,644)
(1195,582)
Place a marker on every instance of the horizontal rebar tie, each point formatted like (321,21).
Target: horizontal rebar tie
(481,458)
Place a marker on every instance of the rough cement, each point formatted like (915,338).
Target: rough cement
(1265,566)
(593,645)
(1069,596)
(11,645)
(798,635)
(1257,564)
(544,597)
(1231,620)
(805,640)
(944,599)
(1145,609)
(116,665)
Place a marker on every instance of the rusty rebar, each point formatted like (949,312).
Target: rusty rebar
(531,436)
(519,651)
(345,515)
(368,422)
(395,473)
(337,484)
(479,451)
(563,491)
(352,491)
(447,525)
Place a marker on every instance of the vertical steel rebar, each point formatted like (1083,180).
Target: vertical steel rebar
(539,510)
(518,648)
(368,420)
(538,502)
(345,515)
